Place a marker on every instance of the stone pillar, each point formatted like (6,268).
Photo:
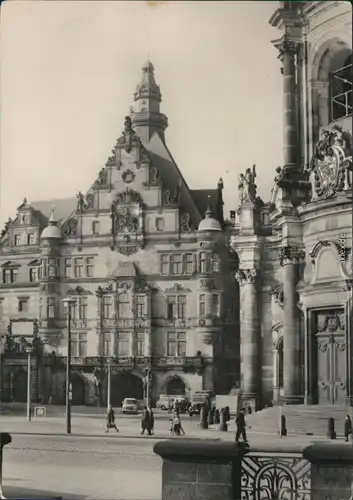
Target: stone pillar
(331,470)
(249,334)
(148,349)
(200,469)
(289,257)
(288,51)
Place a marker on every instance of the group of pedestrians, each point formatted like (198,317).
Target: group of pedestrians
(176,427)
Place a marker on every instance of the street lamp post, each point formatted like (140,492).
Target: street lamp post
(29,351)
(68,304)
(109,384)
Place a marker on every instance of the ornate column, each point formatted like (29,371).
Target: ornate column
(288,51)
(249,334)
(289,258)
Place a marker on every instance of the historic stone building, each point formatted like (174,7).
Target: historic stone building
(163,283)
(147,261)
(295,266)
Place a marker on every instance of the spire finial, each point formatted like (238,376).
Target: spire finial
(209,212)
(52,218)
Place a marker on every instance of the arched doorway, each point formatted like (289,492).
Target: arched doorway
(126,385)
(20,387)
(175,387)
(78,391)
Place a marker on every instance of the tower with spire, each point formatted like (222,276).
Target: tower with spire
(146,116)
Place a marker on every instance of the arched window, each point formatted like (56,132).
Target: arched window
(341,91)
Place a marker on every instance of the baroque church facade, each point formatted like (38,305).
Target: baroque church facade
(166,288)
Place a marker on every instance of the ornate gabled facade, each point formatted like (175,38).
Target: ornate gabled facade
(162,281)
(151,278)
(295,253)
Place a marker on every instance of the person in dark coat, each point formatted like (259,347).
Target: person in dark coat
(240,421)
(147,422)
(347,427)
(110,420)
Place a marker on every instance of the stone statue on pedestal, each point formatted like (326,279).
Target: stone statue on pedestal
(247,187)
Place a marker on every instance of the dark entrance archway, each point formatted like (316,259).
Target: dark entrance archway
(78,391)
(20,387)
(175,387)
(126,385)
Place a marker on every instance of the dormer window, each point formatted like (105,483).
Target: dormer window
(31,239)
(34,274)
(17,240)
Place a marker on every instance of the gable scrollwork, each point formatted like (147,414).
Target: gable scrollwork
(331,166)
(78,290)
(177,288)
(70,227)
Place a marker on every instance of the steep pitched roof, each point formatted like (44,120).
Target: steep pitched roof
(63,207)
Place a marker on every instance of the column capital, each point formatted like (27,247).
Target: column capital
(290,255)
(287,47)
(246,276)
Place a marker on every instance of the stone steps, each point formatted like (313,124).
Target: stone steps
(300,419)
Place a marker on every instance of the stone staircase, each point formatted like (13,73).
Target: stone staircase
(300,419)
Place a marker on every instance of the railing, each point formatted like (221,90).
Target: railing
(133,361)
(228,470)
(275,476)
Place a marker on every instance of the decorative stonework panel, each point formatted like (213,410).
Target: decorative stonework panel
(271,477)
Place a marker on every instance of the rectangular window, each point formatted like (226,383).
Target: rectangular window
(176,263)
(82,344)
(203,263)
(52,268)
(176,345)
(107,344)
(95,227)
(171,307)
(215,264)
(67,268)
(79,267)
(215,304)
(140,344)
(189,263)
(124,305)
(23,305)
(78,344)
(164,264)
(14,274)
(51,308)
(107,307)
(7,276)
(181,309)
(159,224)
(82,308)
(31,239)
(34,274)
(123,344)
(17,240)
(90,267)
(202,305)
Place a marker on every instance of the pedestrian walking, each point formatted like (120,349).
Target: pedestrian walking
(177,427)
(240,421)
(110,420)
(147,422)
(347,428)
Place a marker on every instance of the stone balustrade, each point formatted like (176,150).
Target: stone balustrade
(129,361)
(216,470)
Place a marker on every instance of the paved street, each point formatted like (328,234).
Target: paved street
(76,467)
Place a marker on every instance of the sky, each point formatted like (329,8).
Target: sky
(69,70)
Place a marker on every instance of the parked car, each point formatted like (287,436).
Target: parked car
(199,399)
(164,402)
(130,405)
